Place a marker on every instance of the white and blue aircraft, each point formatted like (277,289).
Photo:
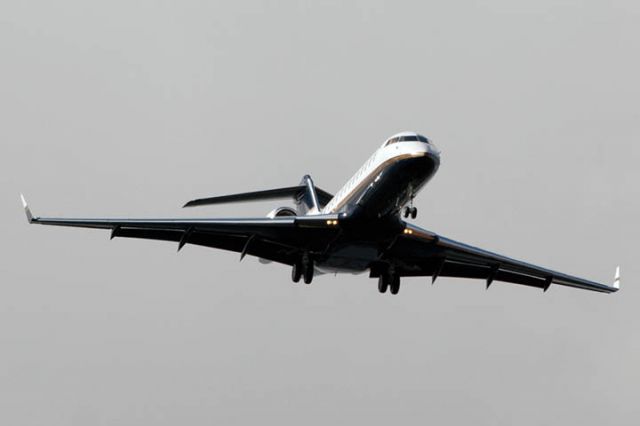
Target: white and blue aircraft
(359,229)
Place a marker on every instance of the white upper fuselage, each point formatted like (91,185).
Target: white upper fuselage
(402,146)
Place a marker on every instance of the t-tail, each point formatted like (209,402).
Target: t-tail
(308,199)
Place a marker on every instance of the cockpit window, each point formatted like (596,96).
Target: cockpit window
(407,138)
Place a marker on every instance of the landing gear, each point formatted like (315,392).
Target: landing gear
(302,269)
(410,211)
(394,285)
(308,272)
(383,284)
(389,280)
(296,272)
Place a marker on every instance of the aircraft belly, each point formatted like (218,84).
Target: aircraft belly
(349,258)
(393,187)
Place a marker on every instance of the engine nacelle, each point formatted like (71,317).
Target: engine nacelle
(281,211)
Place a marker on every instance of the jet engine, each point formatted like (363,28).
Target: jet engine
(278,212)
(281,211)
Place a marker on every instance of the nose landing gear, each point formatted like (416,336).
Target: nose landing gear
(410,211)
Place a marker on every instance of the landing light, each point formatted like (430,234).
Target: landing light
(408,231)
(332,222)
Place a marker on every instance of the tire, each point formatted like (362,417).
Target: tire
(394,287)
(414,212)
(296,272)
(308,273)
(383,284)
(406,212)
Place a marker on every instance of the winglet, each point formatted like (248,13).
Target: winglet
(616,280)
(27,210)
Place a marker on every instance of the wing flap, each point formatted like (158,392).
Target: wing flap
(258,247)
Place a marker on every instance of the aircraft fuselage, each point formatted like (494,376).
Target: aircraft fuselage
(372,199)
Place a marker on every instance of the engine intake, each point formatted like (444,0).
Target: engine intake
(281,211)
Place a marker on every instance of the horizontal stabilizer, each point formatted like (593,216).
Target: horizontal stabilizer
(269,194)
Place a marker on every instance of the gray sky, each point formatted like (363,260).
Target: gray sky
(131,108)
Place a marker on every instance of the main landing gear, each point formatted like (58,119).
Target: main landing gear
(389,280)
(303,269)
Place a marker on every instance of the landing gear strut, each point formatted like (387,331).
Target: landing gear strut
(410,210)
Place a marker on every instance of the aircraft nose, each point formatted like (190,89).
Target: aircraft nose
(432,150)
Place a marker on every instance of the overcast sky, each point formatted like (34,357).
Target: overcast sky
(124,108)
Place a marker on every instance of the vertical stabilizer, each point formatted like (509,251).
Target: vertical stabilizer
(307,201)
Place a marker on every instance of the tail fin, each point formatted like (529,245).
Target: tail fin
(307,200)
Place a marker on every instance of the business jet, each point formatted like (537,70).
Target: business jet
(362,228)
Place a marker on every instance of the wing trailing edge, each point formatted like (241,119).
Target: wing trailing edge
(465,261)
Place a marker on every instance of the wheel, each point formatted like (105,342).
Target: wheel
(394,287)
(414,212)
(383,284)
(406,211)
(296,272)
(308,272)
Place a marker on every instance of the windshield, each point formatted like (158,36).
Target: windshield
(407,138)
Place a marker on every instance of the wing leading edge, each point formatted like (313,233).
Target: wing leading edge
(279,239)
(427,253)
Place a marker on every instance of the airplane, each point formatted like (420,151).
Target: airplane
(362,228)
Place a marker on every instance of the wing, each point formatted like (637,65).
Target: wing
(280,239)
(421,252)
